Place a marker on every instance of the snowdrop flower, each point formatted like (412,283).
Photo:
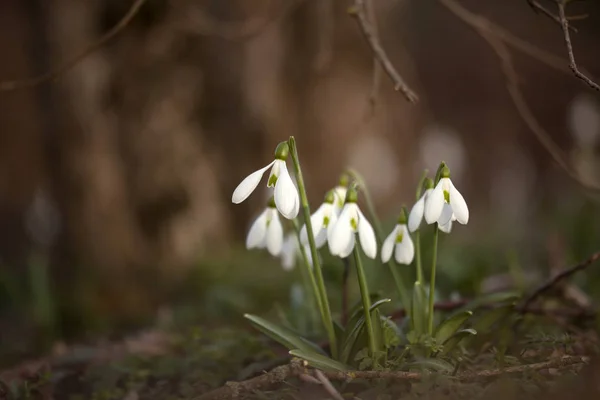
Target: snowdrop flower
(266,231)
(290,252)
(341,238)
(445,203)
(322,221)
(340,193)
(416,213)
(286,194)
(399,243)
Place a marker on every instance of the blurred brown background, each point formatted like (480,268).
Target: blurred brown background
(123,168)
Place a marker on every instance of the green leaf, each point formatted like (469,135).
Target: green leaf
(283,335)
(377,329)
(435,364)
(356,311)
(320,361)
(455,339)
(492,298)
(451,325)
(354,339)
(419,310)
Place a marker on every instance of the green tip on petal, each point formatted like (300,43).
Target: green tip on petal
(402,218)
(445,173)
(352,195)
(344,179)
(330,197)
(271,202)
(282,150)
(428,183)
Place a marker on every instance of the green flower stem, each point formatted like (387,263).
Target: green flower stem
(417,233)
(418,257)
(432,281)
(366,299)
(308,278)
(379,234)
(326,310)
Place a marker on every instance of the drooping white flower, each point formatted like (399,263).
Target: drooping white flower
(416,213)
(340,197)
(322,221)
(341,238)
(287,200)
(290,253)
(445,203)
(399,243)
(266,231)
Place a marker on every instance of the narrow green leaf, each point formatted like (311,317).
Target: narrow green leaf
(353,338)
(419,310)
(283,335)
(378,330)
(320,361)
(356,311)
(451,325)
(455,339)
(435,364)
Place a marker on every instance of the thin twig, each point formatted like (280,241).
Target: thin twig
(497,43)
(359,13)
(572,64)
(376,82)
(296,368)
(329,388)
(72,62)
(557,279)
(538,7)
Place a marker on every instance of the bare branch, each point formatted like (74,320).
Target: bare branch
(497,40)
(572,64)
(297,368)
(358,11)
(69,64)
(538,7)
(376,83)
(551,283)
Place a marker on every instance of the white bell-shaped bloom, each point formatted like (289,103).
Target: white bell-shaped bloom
(416,213)
(339,198)
(266,232)
(447,228)
(341,238)
(399,243)
(290,253)
(322,221)
(446,202)
(286,194)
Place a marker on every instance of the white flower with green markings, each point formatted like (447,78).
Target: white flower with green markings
(342,237)
(287,200)
(266,231)
(416,213)
(445,204)
(399,243)
(322,221)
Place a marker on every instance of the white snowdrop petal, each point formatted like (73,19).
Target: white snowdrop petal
(288,253)
(258,231)
(434,204)
(446,228)
(321,238)
(366,234)
(349,246)
(247,186)
(275,235)
(286,194)
(388,246)
(459,205)
(446,215)
(405,250)
(341,233)
(416,215)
